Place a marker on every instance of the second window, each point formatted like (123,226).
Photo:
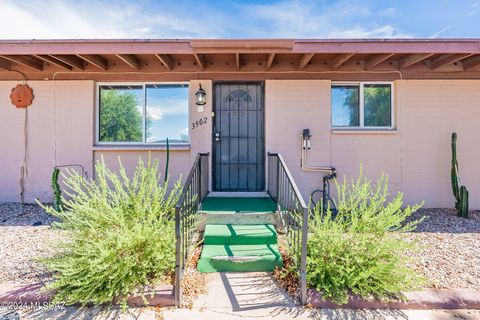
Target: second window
(362,105)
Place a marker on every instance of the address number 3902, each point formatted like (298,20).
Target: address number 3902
(198,123)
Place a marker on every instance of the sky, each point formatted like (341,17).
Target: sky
(114,19)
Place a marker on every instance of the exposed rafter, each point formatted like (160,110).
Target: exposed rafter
(471,62)
(305,60)
(96,60)
(244,59)
(412,59)
(270,59)
(73,61)
(130,60)
(5,64)
(29,62)
(377,59)
(165,60)
(341,59)
(446,59)
(237,61)
(200,60)
(53,61)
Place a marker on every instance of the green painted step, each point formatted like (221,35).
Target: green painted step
(233,205)
(244,258)
(219,234)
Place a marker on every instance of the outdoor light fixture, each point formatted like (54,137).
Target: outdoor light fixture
(200,96)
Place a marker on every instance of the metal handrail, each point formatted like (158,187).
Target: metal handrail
(194,191)
(284,191)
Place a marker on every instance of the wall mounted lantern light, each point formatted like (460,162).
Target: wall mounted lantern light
(200,96)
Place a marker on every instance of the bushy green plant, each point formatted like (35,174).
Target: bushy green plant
(359,250)
(121,234)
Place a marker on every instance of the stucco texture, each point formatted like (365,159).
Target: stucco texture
(59,131)
(416,155)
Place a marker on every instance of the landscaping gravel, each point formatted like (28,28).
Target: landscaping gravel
(449,255)
(16,214)
(25,236)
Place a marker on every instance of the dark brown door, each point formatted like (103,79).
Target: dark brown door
(238,137)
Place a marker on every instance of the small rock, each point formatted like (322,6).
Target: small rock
(37,223)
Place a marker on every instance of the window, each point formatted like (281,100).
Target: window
(146,113)
(362,105)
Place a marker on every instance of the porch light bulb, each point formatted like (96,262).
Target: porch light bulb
(200,96)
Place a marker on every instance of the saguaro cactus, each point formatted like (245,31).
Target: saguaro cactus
(463,207)
(167,161)
(460,194)
(57,192)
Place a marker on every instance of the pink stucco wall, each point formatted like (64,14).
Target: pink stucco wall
(59,131)
(416,155)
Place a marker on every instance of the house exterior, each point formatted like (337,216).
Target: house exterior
(388,105)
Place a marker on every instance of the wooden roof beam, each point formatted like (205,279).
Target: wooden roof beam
(165,60)
(53,61)
(237,61)
(412,59)
(270,59)
(471,62)
(377,59)
(130,60)
(73,61)
(5,64)
(341,59)
(96,60)
(445,59)
(200,60)
(29,62)
(305,60)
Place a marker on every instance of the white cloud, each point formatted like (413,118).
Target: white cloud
(475,9)
(386,31)
(299,20)
(155,113)
(438,33)
(34,19)
(158,108)
(30,19)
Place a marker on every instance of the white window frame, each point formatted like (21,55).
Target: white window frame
(135,143)
(361,111)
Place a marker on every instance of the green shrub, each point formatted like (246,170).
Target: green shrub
(121,234)
(359,250)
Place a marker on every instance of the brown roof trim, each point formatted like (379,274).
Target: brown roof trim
(186,46)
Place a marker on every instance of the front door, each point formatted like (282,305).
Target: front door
(238,137)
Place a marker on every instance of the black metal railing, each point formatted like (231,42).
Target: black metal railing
(294,212)
(194,191)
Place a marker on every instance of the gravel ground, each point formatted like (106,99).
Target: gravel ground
(449,256)
(25,236)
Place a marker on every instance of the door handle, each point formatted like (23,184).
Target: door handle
(217,136)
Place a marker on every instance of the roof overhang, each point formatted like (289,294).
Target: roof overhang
(429,58)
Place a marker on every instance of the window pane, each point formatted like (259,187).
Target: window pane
(345,106)
(121,114)
(167,113)
(377,105)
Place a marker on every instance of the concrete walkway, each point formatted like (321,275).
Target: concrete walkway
(255,295)
(243,296)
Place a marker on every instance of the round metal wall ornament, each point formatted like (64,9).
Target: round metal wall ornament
(21,96)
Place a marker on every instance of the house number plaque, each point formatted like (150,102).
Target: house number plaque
(199,123)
